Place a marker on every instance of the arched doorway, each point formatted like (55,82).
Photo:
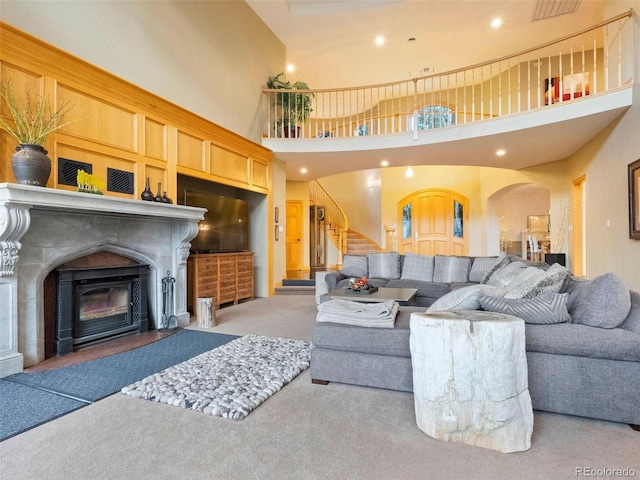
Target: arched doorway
(514,213)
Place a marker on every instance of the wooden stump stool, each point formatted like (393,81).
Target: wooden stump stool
(206,312)
(470,380)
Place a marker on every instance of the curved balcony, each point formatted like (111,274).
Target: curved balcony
(539,105)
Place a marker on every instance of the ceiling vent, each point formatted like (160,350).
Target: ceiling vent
(554,8)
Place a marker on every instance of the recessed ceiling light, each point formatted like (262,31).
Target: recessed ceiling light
(500,152)
(496,23)
(384,163)
(411,39)
(379,40)
(303,170)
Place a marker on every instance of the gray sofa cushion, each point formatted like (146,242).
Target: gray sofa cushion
(602,302)
(465,298)
(583,341)
(632,322)
(417,267)
(449,269)
(384,265)
(544,309)
(378,341)
(355,266)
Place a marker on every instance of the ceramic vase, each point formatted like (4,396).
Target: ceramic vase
(31,165)
(147,194)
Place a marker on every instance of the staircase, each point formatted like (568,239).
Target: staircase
(358,244)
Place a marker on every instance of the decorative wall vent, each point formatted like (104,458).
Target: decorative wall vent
(68,171)
(119,181)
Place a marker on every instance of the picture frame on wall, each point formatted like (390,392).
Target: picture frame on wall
(634,200)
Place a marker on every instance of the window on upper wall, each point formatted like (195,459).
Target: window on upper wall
(434,116)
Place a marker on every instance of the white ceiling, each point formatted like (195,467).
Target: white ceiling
(331,43)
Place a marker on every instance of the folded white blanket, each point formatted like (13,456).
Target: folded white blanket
(380,315)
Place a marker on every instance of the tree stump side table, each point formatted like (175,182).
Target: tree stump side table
(470,379)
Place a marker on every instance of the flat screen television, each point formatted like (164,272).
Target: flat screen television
(225,227)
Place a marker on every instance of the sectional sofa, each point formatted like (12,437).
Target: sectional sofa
(582,336)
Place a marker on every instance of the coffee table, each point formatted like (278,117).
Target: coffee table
(404,296)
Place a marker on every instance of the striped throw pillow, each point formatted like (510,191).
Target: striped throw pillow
(544,309)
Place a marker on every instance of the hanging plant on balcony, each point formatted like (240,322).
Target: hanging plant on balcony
(30,123)
(293,108)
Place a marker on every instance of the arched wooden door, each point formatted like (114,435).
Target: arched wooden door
(433,222)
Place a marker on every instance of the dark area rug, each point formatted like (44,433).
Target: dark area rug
(30,399)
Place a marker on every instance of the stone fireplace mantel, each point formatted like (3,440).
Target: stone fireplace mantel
(42,228)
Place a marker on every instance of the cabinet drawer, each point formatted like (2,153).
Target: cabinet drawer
(207,292)
(245,292)
(207,267)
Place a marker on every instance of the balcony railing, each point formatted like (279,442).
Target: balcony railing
(596,60)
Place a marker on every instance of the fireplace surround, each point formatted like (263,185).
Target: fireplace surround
(43,228)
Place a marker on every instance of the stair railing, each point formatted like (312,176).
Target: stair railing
(334,216)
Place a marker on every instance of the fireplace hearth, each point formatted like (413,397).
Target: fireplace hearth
(96,304)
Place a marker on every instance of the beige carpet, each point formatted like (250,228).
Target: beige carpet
(305,431)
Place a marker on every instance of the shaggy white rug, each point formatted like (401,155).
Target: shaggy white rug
(229,381)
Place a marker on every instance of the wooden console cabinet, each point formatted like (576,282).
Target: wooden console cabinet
(228,277)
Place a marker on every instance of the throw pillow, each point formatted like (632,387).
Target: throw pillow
(524,275)
(354,266)
(632,322)
(505,275)
(464,298)
(449,269)
(417,267)
(384,265)
(481,266)
(549,281)
(544,309)
(503,261)
(602,302)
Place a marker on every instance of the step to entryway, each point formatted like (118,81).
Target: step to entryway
(296,290)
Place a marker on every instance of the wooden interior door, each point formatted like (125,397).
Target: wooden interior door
(437,223)
(293,235)
(432,223)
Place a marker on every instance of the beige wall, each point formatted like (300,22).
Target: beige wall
(360,203)
(279,197)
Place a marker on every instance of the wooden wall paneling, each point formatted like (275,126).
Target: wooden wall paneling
(229,165)
(99,120)
(126,122)
(190,151)
(259,174)
(155,139)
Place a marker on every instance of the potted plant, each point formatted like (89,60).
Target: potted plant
(293,108)
(30,123)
